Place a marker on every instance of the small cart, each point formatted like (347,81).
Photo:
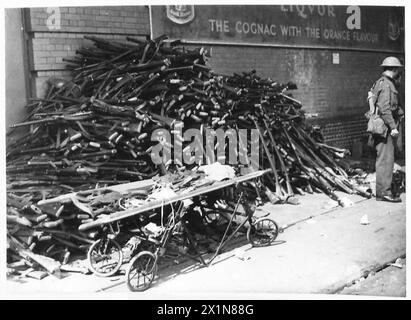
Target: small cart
(105,255)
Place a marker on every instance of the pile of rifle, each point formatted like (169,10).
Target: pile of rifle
(95,130)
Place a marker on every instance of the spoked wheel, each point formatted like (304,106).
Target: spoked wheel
(105,257)
(262,232)
(141,271)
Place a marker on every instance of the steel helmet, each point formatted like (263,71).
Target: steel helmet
(391,62)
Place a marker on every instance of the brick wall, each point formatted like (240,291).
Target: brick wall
(120,20)
(57,34)
(343,132)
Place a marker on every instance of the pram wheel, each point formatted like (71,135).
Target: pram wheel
(105,257)
(141,271)
(262,232)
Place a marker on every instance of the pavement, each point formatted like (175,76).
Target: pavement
(323,250)
(389,282)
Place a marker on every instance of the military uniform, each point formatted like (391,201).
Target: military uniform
(389,110)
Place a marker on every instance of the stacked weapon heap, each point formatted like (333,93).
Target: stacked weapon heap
(95,131)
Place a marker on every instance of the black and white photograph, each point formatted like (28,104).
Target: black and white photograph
(216,150)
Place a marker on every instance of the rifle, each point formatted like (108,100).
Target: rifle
(298,159)
(102,107)
(283,168)
(271,160)
(64,117)
(341,181)
(52,266)
(320,166)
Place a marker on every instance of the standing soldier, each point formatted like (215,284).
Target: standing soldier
(385,89)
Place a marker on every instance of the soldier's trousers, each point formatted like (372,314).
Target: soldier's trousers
(384,165)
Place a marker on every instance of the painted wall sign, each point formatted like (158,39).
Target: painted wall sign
(362,27)
(53,21)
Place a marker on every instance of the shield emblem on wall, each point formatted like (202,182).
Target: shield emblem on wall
(394,26)
(393,30)
(180,14)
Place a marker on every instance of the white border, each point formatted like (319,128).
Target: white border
(52,3)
